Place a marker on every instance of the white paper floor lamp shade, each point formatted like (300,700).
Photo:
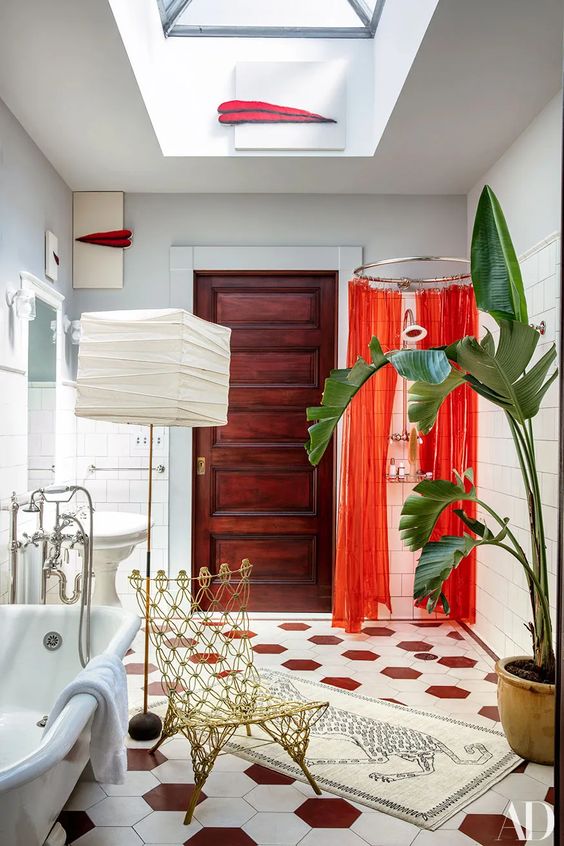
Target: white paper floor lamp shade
(166,367)
(163,367)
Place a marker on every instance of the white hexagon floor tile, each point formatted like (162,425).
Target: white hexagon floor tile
(136,783)
(228,784)
(175,771)
(119,810)
(85,794)
(177,747)
(382,830)
(109,836)
(332,837)
(227,763)
(166,827)
(275,829)
(275,797)
(222,813)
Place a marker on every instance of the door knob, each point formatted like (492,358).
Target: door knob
(201,465)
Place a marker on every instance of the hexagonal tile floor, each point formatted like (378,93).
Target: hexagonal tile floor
(250,805)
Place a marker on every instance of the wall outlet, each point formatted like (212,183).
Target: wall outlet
(140,442)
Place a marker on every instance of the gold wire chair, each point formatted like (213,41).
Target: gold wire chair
(200,630)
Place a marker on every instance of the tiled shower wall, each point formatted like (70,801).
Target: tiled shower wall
(503,606)
(402,561)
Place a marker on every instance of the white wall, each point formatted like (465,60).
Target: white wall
(33,198)
(384,226)
(527,181)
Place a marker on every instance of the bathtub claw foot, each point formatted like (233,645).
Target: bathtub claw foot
(57,836)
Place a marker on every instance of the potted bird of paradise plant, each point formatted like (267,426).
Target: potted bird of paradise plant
(505,371)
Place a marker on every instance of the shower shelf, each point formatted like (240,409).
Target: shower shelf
(409,478)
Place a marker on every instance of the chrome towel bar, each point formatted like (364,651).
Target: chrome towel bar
(160,468)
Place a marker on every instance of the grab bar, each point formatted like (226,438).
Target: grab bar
(160,468)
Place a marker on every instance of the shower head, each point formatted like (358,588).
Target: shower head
(32,507)
(412,331)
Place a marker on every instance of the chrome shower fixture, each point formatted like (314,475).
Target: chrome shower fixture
(411,331)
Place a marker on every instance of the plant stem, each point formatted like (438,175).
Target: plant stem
(523,439)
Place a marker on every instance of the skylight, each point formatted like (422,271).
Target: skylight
(271,18)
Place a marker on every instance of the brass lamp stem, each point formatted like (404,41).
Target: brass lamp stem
(148,576)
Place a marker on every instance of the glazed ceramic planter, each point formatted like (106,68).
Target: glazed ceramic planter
(526,709)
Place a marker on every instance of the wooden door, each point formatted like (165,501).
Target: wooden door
(259,497)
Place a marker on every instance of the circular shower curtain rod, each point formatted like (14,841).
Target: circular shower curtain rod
(406,281)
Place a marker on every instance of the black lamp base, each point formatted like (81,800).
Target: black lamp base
(145,726)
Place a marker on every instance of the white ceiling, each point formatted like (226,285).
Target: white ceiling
(485,69)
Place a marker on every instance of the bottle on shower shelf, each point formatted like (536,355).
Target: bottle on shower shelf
(413,449)
(393,471)
(401,472)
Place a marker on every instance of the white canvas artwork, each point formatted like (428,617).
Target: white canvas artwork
(51,256)
(318,87)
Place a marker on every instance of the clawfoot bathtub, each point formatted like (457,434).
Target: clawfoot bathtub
(38,657)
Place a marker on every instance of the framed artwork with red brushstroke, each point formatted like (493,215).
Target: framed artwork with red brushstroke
(51,256)
(99,239)
(287,106)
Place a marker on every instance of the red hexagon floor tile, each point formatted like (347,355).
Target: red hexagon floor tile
(263,775)
(491,712)
(341,681)
(301,664)
(400,673)
(269,648)
(249,804)
(378,631)
(220,837)
(360,655)
(75,824)
(328,813)
(447,691)
(457,661)
(171,797)
(142,759)
(138,669)
(414,645)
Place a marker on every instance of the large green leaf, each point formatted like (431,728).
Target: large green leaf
(500,375)
(340,388)
(439,558)
(426,365)
(424,506)
(496,274)
(437,561)
(425,399)
(342,385)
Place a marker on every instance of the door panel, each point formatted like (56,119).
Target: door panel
(259,497)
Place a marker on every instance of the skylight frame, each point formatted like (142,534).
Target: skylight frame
(170,12)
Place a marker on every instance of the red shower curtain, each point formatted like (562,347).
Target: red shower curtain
(361,569)
(450,314)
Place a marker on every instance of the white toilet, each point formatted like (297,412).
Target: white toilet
(116,534)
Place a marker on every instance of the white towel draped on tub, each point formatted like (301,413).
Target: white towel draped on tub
(103,678)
